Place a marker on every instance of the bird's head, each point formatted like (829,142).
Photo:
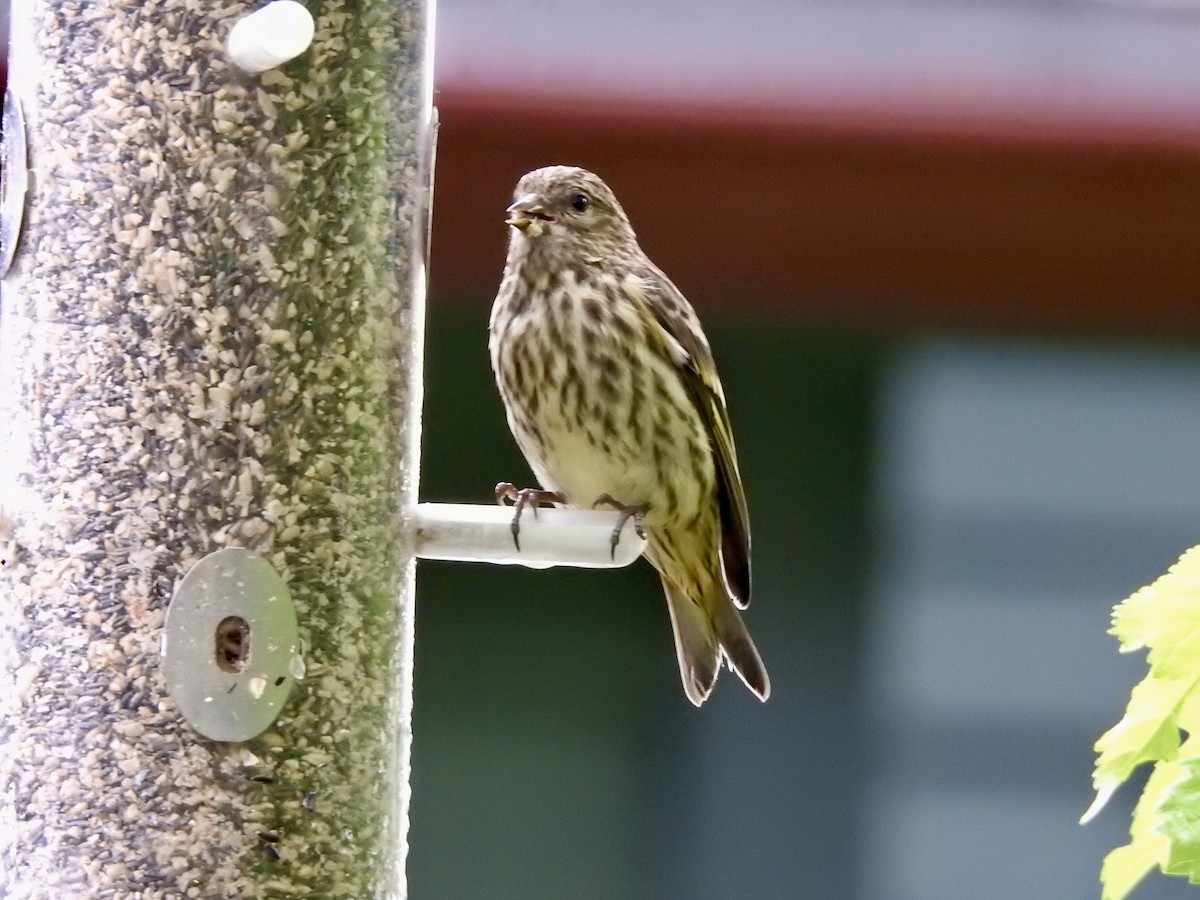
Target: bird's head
(566,206)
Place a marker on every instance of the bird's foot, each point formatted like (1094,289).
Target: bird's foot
(626,513)
(521,498)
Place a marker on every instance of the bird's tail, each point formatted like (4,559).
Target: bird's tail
(706,632)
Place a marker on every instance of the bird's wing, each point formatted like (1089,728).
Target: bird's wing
(666,306)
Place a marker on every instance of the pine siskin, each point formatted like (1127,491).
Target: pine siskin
(612,395)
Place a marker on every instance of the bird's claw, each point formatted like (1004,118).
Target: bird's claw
(625,513)
(521,498)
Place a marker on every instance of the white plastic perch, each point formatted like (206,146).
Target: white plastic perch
(552,537)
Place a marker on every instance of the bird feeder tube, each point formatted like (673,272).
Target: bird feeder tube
(210,385)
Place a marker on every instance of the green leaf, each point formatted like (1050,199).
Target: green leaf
(1165,616)
(1179,814)
(1126,866)
(1148,732)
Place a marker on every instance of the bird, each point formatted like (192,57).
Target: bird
(611,392)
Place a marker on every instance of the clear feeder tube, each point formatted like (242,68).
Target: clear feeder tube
(210,340)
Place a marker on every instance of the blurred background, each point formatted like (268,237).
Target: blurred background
(948,255)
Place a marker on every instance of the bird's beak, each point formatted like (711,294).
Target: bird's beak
(525,211)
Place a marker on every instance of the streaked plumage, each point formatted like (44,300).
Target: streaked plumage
(610,388)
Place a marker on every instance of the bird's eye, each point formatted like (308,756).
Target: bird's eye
(579,202)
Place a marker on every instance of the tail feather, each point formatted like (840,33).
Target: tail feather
(739,651)
(705,637)
(696,645)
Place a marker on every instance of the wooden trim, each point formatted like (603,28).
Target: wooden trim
(887,219)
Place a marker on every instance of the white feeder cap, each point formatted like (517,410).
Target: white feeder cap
(270,36)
